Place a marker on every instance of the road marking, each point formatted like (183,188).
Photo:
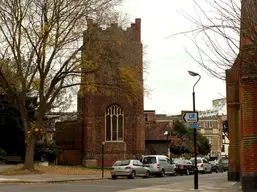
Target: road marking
(151,189)
(5,179)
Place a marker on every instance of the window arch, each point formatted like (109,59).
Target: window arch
(114,123)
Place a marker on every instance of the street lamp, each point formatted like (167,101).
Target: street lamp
(168,148)
(195,148)
(103,159)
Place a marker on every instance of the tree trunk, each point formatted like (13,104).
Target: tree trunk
(30,147)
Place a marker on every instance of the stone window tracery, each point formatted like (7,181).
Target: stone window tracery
(114,123)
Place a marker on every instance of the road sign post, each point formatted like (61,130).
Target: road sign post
(194,125)
(191,117)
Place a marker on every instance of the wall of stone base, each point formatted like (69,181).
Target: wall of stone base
(110,159)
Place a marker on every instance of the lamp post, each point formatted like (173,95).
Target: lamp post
(195,148)
(103,159)
(168,148)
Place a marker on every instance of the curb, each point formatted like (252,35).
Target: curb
(48,182)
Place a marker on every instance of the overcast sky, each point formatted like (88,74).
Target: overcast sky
(167,59)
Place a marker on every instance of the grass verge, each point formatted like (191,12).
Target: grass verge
(52,169)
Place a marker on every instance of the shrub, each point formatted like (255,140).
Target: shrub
(2,154)
(46,151)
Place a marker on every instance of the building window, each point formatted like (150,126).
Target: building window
(208,124)
(114,123)
(223,148)
(146,116)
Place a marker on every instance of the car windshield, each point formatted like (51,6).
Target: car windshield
(198,161)
(149,160)
(122,163)
(178,161)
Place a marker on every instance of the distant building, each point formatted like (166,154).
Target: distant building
(211,126)
(158,138)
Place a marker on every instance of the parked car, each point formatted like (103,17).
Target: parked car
(184,166)
(224,164)
(130,168)
(203,165)
(159,165)
(216,166)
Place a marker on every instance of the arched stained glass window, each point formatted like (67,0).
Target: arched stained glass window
(114,123)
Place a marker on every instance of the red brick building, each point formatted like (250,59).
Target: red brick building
(156,140)
(111,117)
(241,81)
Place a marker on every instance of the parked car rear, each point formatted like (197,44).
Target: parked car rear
(203,165)
(224,164)
(130,168)
(159,165)
(216,166)
(184,166)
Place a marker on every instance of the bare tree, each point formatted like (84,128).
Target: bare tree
(220,34)
(43,39)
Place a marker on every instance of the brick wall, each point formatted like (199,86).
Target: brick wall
(249,136)
(232,116)
(70,157)
(150,115)
(134,133)
(242,105)
(68,138)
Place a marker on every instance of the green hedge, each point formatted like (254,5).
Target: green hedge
(46,151)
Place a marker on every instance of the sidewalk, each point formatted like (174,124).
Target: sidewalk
(216,184)
(49,178)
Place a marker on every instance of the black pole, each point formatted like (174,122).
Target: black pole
(195,148)
(102,160)
(168,144)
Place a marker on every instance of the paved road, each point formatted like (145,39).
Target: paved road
(110,185)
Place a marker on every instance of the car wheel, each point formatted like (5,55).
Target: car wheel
(162,174)
(147,174)
(114,177)
(187,172)
(133,175)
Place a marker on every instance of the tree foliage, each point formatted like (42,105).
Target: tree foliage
(43,42)
(186,140)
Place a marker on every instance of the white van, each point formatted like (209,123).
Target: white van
(159,165)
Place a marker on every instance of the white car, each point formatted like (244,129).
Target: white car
(159,165)
(203,165)
(130,168)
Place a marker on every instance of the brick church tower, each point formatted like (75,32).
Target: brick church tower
(241,82)
(109,115)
